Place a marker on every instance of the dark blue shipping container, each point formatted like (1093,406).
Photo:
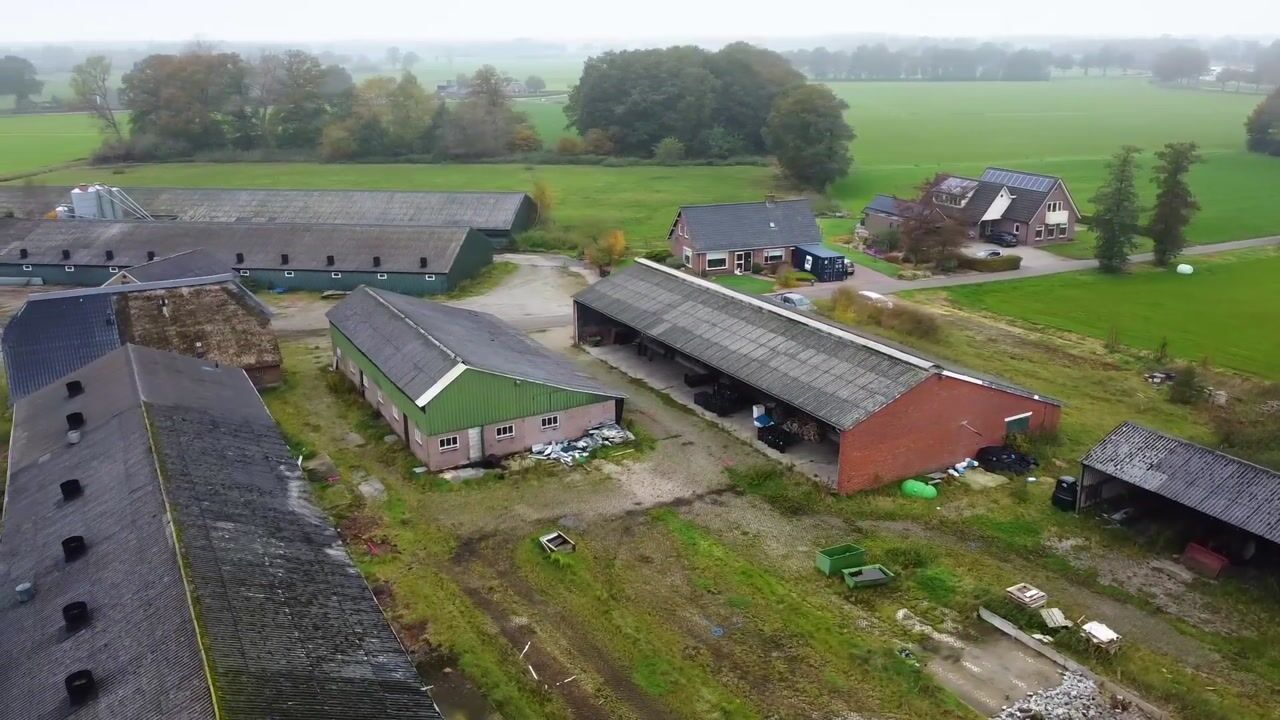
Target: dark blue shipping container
(825,264)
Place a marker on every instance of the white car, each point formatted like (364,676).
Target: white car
(875,298)
(988,254)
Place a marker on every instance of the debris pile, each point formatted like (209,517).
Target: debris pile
(569,452)
(1077,698)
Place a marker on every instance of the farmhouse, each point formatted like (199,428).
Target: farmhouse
(56,333)
(880,413)
(170,562)
(460,386)
(417,260)
(180,266)
(1218,501)
(732,237)
(498,215)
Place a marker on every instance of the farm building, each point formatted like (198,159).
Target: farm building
(215,318)
(1220,502)
(179,266)
(498,215)
(732,237)
(416,260)
(876,413)
(457,385)
(172,564)
(885,213)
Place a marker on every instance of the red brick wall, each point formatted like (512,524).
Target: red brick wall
(929,428)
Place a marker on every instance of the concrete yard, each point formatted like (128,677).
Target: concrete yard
(992,672)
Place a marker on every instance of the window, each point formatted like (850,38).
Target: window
(70,268)
(113,269)
(288,273)
(550,422)
(945,199)
(1055,206)
(428,277)
(244,273)
(1051,232)
(417,436)
(381,397)
(717,261)
(395,412)
(1017,228)
(688,257)
(338,351)
(26,267)
(1017,424)
(448,443)
(505,432)
(382,276)
(365,381)
(1039,232)
(774,255)
(335,274)
(1062,230)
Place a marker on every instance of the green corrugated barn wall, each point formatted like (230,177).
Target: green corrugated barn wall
(474,255)
(88,275)
(475,398)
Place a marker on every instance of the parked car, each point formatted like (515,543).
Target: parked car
(795,300)
(1003,239)
(875,298)
(1002,459)
(987,254)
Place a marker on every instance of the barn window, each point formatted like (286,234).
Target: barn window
(550,422)
(428,277)
(335,274)
(26,267)
(417,436)
(505,432)
(382,276)
(113,269)
(449,443)
(395,412)
(288,273)
(1017,424)
(244,273)
(70,268)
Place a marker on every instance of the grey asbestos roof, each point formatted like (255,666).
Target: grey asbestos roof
(290,627)
(56,333)
(825,372)
(1221,486)
(416,342)
(187,264)
(488,211)
(308,246)
(742,226)
(891,206)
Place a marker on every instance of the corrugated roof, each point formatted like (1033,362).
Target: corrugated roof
(291,629)
(489,211)
(1221,486)
(417,342)
(186,264)
(57,333)
(829,373)
(741,226)
(353,247)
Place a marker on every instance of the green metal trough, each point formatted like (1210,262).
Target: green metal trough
(866,576)
(836,558)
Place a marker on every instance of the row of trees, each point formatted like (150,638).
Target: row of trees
(1182,64)
(740,100)
(984,62)
(201,101)
(1117,212)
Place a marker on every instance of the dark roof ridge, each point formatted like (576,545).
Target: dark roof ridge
(800,198)
(411,323)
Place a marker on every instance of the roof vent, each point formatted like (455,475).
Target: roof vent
(80,687)
(73,547)
(377,261)
(773,224)
(111,254)
(151,255)
(284,258)
(328,260)
(74,388)
(422,262)
(66,254)
(26,591)
(239,258)
(71,489)
(22,253)
(75,615)
(75,420)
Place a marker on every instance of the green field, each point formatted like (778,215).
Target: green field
(1225,312)
(30,142)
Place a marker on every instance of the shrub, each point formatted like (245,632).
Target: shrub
(658,255)
(674,262)
(893,257)
(550,238)
(720,143)
(790,277)
(543,199)
(1186,388)
(597,142)
(907,557)
(668,150)
(889,241)
(568,145)
(996,264)
(947,264)
(525,139)
(847,306)
(757,268)
(825,206)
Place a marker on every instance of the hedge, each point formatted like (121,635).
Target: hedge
(995,264)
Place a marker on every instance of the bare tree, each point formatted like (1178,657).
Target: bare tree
(90,81)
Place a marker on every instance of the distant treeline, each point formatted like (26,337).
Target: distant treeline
(984,62)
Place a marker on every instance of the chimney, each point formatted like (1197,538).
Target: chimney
(377,261)
(26,591)
(111,254)
(74,388)
(151,255)
(422,262)
(75,615)
(284,258)
(328,260)
(73,547)
(80,687)
(770,200)
(71,489)
(75,420)
(66,254)
(239,258)
(22,253)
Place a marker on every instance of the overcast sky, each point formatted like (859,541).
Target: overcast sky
(24,21)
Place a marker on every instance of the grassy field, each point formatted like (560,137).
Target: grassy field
(30,142)
(1225,312)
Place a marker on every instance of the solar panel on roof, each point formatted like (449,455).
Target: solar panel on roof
(1024,181)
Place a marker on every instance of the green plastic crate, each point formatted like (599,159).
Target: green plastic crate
(838,557)
(866,576)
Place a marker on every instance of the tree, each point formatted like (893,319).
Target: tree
(525,140)
(1181,64)
(1115,216)
(535,84)
(410,112)
(668,150)
(408,60)
(1262,129)
(597,142)
(18,78)
(1026,65)
(543,199)
(1175,205)
(186,99)
(607,250)
(1064,62)
(394,57)
(807,133)
(91,83)
(483,124)
(300,113)
(749,79)
(926,233)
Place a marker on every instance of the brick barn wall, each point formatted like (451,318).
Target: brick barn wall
(928,428)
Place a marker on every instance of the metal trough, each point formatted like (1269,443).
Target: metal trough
(832,560)
(557,542)
(867,576)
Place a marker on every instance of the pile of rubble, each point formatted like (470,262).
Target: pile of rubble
(569,452)
(1077,698)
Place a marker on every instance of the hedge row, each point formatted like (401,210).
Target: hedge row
(995,264)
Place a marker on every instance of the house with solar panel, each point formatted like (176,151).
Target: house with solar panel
(1033,208)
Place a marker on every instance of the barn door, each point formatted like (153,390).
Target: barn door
(475,443)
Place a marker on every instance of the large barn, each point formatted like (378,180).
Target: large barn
(883,413)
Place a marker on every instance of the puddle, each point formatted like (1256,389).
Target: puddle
(456,697)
